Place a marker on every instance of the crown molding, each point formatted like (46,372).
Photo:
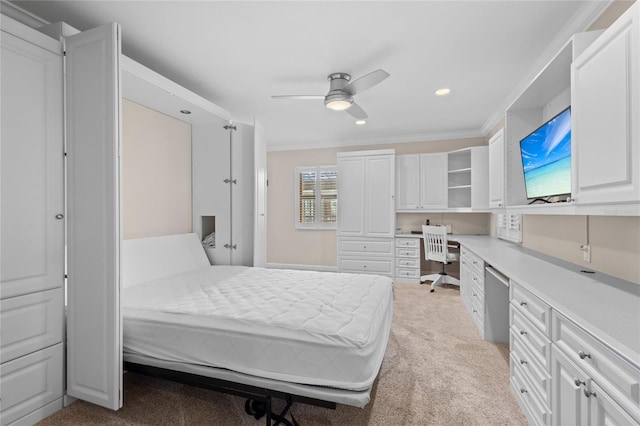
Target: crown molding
(274,146)
(19,14)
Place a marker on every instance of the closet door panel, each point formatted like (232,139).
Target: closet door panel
(94,328)
(260,227)
(351,196)
(242,195)
(379,189)
(32,157)
(211,149)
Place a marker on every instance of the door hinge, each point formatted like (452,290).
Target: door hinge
(230,126)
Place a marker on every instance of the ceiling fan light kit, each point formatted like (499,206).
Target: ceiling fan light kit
(341,92)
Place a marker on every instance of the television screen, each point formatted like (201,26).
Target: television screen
(546,158)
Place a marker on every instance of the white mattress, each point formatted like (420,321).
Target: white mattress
(314,328)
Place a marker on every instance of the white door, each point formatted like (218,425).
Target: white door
(605,112)
(433,181)
(32,234)
(260,227)
(496,170)
(408,182)
(380,210)
(351,196)
(94,327)
(604,410)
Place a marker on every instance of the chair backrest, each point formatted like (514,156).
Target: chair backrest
(435,243)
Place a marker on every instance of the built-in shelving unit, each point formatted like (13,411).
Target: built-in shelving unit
(467,179)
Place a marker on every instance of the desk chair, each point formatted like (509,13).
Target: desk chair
(436,248)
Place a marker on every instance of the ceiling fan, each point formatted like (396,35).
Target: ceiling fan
(342,91)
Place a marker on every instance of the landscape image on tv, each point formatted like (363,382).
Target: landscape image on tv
(546,158)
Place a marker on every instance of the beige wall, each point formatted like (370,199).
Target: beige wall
(156,173)
(289,245)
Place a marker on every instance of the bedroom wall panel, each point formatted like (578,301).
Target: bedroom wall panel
(156,173)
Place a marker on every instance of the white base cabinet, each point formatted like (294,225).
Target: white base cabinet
(407,252)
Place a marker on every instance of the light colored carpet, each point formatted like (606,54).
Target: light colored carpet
(437,371)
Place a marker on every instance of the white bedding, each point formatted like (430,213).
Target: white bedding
(305,327)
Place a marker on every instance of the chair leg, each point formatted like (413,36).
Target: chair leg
(437,282)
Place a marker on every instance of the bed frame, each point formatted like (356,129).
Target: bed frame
(252,393)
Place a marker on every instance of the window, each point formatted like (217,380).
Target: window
(317,197)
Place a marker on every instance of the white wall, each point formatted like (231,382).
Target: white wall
(156,173)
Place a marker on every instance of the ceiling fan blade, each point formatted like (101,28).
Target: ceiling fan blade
(297,97)
(356,111)
(366,82)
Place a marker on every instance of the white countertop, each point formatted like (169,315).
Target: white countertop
(607,307)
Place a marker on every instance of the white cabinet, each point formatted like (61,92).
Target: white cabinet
(366,211)
(421,182)
(468,179)
(496,170)
(433,181)
(606,115)
(408,259)
(32,227)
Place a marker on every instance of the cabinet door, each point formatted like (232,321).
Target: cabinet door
(260,223)
(380,211)
(604,410)
(433,181)
(94,327)
(351,196)
(496,170)
(408,182)
(242,195)
(568,403)
(606,113)
(211,165)
(32,255)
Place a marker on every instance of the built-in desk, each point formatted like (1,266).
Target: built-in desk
(574,336)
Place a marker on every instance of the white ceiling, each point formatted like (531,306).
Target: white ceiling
(239,53)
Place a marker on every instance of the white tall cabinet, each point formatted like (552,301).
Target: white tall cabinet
(605,103)
(32,229)
(366,212)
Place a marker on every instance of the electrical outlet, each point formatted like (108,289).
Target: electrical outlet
(448,228)
(586,252)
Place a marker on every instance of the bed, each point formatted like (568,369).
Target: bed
(313,337)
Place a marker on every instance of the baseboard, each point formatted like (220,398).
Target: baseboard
(318,268)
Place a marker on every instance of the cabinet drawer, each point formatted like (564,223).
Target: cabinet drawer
(407,273)
(477,281)
(613,373)
(408,252)
(534,309)
(365,246)
(31,382)
(30,323)
(536,342)
(370,266)
(408,242)
(406,262)
(471,259)
(535,410)
(528,363)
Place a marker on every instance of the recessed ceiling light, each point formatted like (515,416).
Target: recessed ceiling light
(185,111)
(442,92)
(361,122)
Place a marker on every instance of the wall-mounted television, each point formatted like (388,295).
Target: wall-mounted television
(546,158)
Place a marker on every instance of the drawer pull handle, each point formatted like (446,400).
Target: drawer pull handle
(522,332)
(475,295)
(583,355)
(578,382)
(523,362)
(474,311)
(588,393)
(523,303)
(523,390)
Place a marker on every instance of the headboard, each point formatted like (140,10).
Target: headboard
(146,259)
